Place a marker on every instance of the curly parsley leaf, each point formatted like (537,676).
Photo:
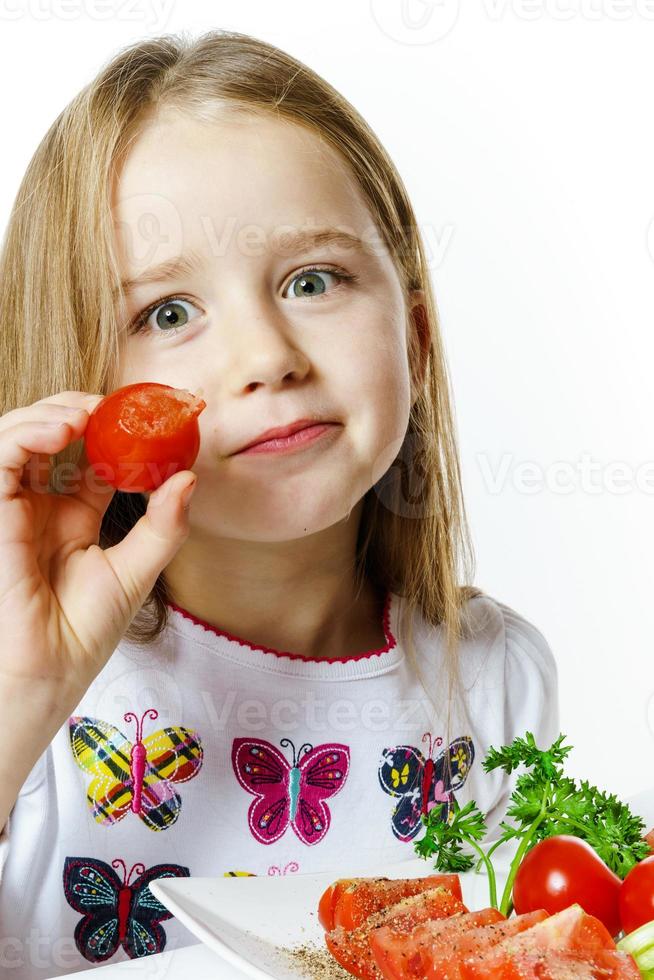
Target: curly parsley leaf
(443,838)
(544,803)
(546,765)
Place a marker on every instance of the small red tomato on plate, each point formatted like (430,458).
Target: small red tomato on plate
(636,896)
(565,870)
(140,435)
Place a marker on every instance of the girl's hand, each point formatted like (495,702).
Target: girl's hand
(65,602)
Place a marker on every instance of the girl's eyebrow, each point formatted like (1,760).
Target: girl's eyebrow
(188,262)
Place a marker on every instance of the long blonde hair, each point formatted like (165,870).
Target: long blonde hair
(60,329)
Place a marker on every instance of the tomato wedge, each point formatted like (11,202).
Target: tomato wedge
(328,901)
(352,948)
(605,963)
(361,898)
(570,931)
(400,957)
(443,958)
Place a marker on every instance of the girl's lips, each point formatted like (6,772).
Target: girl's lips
(289,444)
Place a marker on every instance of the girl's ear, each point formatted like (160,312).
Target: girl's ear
(420,326)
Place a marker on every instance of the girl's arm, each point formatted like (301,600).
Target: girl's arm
(31,712)
(65,603)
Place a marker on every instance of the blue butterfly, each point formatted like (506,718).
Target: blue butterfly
(116,912)
(422,783)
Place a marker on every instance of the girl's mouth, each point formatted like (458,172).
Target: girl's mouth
(293,443)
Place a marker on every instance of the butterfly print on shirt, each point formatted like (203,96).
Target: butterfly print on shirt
(289,794)
(114,912)
(137,777)
(422,783)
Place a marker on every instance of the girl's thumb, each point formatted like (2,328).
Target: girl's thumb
(141,556)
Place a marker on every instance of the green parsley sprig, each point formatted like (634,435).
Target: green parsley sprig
(544,802)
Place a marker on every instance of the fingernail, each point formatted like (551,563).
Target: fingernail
(188,493)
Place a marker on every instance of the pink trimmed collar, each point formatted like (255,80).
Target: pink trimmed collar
(386,624)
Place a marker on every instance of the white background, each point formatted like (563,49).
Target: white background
(524,133)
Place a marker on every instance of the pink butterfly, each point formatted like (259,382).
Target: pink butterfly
(289,794)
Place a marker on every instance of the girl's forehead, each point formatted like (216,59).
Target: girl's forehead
(250,182)
(250,154)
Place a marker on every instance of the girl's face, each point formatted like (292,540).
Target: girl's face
(253,326)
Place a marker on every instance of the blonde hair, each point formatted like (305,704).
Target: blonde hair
(61,332)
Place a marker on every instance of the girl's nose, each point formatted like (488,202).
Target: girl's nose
(264,353)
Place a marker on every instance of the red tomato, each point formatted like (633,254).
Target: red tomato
(649,837)
(413,955)
(361,898)
(328,900)
(352,948)
(573,938)
(562,870)
(608,963)
(432,951)
(141,434)
(636,898)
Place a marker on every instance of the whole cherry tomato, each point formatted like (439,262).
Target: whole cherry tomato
(140,435)
(563,870)
(636,897)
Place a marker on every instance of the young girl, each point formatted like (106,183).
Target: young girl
(258,684)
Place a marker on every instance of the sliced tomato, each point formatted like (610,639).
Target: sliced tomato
(444,959)
(351,948)
(605,963)
(400,957)
(570,931)
(328,901)
(361,898)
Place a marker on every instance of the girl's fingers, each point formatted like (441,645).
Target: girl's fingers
(72,408)
(19,442)
(82,483)
(152,543)
(89,488)
(36,473)
(58,407)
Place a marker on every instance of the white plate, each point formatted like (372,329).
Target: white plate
(248,920)
(251,921)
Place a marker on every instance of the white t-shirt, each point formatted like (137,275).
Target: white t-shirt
(235,758)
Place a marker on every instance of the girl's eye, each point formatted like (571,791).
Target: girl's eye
(171,317)
(308,282)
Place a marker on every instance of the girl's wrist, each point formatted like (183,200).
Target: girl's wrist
(29,697)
